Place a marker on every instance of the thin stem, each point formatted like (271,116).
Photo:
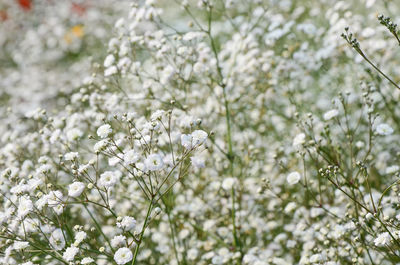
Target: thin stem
(142,232)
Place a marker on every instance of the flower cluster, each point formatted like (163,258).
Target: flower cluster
(199,132)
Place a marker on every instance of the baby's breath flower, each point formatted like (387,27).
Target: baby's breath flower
(24,207)
(87,260)
(293,177)
(57,240)
(123,255)
(104,130)
(330,114)
(154,162)
(127,223)
(109,178)
(70,253)
(384,129)
(76,189)
(383,239)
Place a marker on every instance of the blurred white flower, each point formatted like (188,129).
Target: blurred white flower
(384,129)
(293,177)
(330,114)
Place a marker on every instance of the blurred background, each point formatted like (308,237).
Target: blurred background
(47,46)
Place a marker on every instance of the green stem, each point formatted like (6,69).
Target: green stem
(142,232)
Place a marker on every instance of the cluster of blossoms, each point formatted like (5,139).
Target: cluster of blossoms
(201,132)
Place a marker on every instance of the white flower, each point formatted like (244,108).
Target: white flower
(104,130)
(113,161)
(109,179)
(392,169)
(118,241)
(110,70)
(331,114)
(127,223)
(87,260)
(74,134)
(192,254)
(79,237)
(293,178)
(75,189)
(154,162)
(382,239)
(34,183)
(299,139)
(316,258)
(199,137)
(59,209)
(217,260)
(228,183)
(384,129)
(110,59)
(186,141)
(71,156)
(20,245)
(54,198)
(57,240)
(100,145)
(131,157)
(24,207)
(70,253)
(122,256)
(157,115)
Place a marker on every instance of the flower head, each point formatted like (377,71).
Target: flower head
(123,255)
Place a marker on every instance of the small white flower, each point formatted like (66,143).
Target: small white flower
(21,245)
(70,253)
(118,241)
(131,157)
(299,140)
(293,178)
(122,256)
(54,198)
(154,162)
(127,223)
(199,137)
(110,59)
(71,156)
(186,141)
(108,179)
(228,183)
(113,161)
(316,258)
(192,254)
(24,207)
(87,260)
(392,169)
(382,239)
(57,240)
(79,237)
(331,114)
(74,134)
(75,189)
(110,71)
(384,129)
(104,130)
(100,145)
(217,260)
